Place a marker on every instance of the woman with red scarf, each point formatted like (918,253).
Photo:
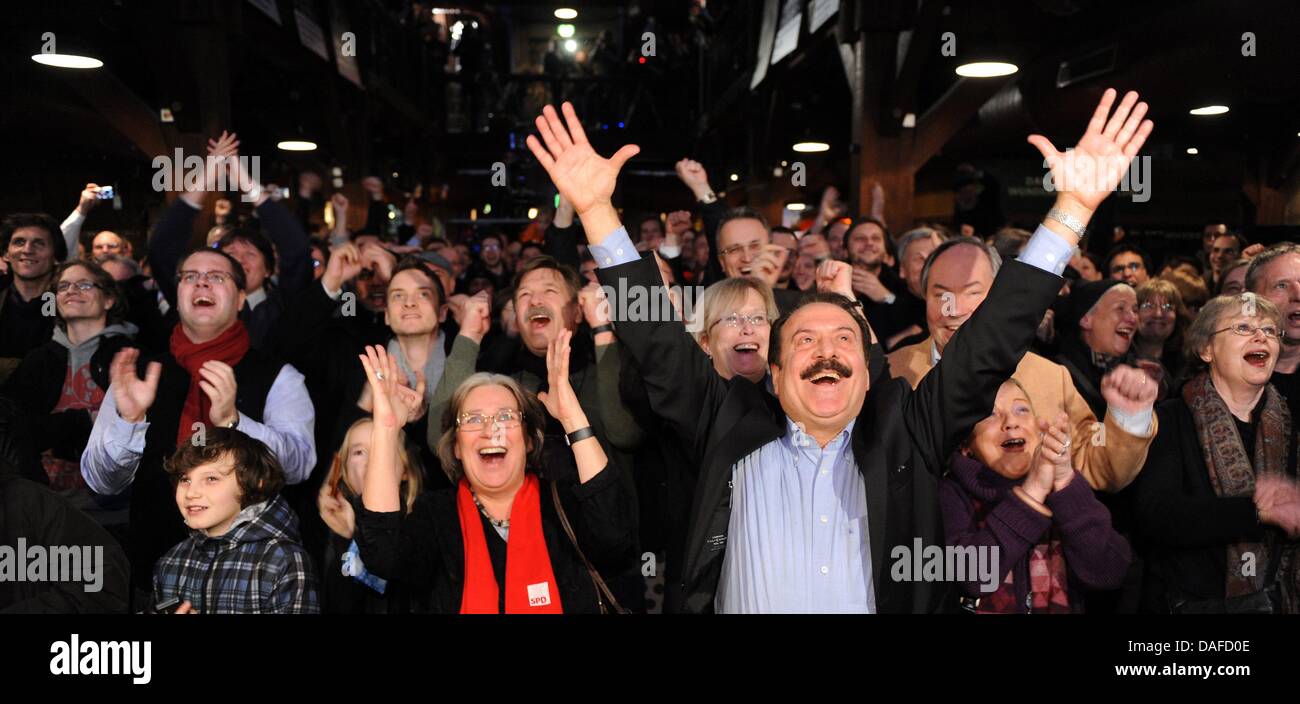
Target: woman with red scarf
(1013,489)
(504,539)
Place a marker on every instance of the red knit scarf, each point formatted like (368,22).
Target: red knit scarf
(530,583)
(229,347)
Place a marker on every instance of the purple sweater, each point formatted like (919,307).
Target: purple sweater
(1096,556)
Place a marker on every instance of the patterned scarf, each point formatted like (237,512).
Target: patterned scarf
(1233,473)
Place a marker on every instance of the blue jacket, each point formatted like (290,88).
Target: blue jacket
(259,566)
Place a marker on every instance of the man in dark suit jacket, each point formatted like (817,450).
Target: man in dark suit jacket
(765,533)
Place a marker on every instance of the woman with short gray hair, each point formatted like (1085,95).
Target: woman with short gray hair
(1217,502)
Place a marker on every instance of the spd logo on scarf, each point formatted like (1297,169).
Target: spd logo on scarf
(539,594)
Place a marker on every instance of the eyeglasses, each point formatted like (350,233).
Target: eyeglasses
(1248,330)
(1131,266)
(1164,307)
(736,320)
(506,417)
(754,248)
(491,247)
(216,278)
(82,286)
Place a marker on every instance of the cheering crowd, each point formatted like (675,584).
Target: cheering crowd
(351,422)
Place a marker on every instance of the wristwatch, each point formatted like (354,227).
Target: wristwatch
(709,198)
(579,435)
(233,424)
(607,327)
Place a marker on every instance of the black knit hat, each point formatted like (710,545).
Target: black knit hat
(1083,296)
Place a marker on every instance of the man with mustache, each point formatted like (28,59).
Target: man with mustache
(956,280)
(211,376)
(852,475)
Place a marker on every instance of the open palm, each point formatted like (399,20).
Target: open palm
(1093,169)
(583,177)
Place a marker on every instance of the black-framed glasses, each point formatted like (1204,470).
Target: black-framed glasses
(506,417)
(736,320)
(215,278)
(1131,266)
(1248,330)
(82,286)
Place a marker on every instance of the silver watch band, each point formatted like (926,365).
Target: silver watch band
(1074,224)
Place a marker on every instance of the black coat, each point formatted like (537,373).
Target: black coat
(425,549)
(1183,525)
(901,441)
(40,517)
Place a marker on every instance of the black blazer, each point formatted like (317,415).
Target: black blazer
(898,431)
(425,550)
(1183,525)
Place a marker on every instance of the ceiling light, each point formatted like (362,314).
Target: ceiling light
(796,207)
(565,30)
(566,13)
(67,61)
(986,69)
(811,147)
(296,145)
(1193,151)
(1210,110)
(570,46)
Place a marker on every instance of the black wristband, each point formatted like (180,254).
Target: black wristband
(607,327)
(579,435)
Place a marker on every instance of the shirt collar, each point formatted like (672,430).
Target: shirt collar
(935,356)
(256,297)
(796,439)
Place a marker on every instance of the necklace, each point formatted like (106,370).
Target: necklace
(499,524)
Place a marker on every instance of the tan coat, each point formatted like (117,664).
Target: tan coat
(1108,457)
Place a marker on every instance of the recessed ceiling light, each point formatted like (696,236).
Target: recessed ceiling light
(1210,110)
(1193,151)
(570,46)
(811,147)
(986,69)
(566,13)
(297,145)
(796,207)
(67,61)
(565,30)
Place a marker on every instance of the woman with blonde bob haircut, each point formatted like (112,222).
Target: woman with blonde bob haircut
(1218,492)
(504,539)
(347,587)
(735,322)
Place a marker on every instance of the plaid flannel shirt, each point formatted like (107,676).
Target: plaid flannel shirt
(259,566)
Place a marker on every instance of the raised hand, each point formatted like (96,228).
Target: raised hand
(1088,174)
(1041,479)
(595,308)
(222,155)
(582,176)
(767,268)
(868,284)
(679,223)
(132,395)
(1055,449)
(339,202)
(394,403)
(336,511)
(217,379)
(89,199)
(472,313)
(378,259)
(835,277)
(1129,390)
(343,266)
(561,401)
(692,174)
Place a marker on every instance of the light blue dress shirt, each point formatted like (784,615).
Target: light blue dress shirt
(797,536)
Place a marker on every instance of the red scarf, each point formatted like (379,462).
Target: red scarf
(229,347)
(530,583)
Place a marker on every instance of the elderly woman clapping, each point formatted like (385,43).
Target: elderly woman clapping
(500,540)
(1217,501)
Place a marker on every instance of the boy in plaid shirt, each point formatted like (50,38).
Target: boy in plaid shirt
(244,554)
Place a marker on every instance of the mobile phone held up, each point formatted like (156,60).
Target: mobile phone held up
(105,193)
